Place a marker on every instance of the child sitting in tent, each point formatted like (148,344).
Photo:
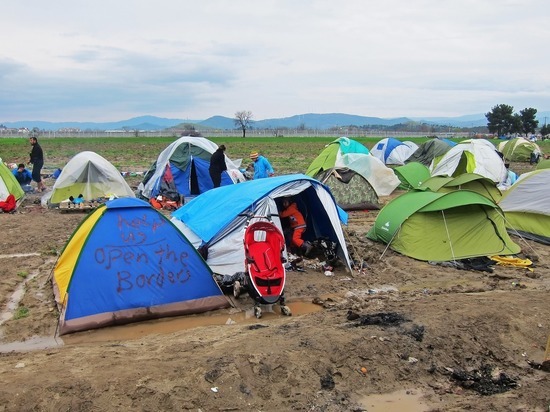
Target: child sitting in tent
(297,226)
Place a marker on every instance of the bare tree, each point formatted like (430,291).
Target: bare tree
(242,120)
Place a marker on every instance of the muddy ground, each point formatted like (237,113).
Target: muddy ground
(399,334)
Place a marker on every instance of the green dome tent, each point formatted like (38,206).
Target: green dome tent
(412,175)
(443,226)
(518,149)
(467,181)
(543,164)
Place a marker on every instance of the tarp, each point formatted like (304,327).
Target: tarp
(127,262)
(90,175)
(471,156)
(443,226)
(216,220)
(188,159)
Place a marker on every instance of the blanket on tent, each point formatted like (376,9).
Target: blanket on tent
(9,204)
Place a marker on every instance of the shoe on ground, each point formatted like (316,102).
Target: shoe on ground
(307,248)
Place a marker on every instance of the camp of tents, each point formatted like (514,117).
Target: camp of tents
(128,262)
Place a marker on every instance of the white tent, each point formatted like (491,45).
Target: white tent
(471,156)
(526,205)
(90,175)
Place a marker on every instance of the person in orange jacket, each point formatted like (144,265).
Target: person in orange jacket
(297,225)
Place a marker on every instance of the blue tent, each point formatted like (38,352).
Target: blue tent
(216,219)
(393,151)
(182,169)
(127,262)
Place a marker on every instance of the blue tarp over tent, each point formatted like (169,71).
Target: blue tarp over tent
(205,216)
(217,217)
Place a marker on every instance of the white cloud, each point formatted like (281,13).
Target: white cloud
(99,61)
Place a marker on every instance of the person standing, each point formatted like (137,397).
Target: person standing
(217,165)
(37,161)
(262,167)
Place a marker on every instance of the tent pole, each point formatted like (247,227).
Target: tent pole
(448,236)
(519,235)
(389,243)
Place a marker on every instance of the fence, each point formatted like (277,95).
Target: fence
(9,133)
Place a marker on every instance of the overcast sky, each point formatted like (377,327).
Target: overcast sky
(76,60)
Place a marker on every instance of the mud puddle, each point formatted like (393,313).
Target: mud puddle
(138,330)
(402,400)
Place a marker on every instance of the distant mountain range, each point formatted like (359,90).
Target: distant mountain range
(309,120)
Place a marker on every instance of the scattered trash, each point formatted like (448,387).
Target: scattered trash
(485,381)
(381,319)
(328,273)
(230,321)
(214,389)
(363,370)
(256,326)
(20,365)
(327,382)
(416,331)
(412,360)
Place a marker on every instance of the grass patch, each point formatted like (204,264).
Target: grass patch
(286,154)
(23,274)
(21,312)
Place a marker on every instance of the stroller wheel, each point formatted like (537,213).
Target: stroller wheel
(285,310)
(237,289)
(257,312)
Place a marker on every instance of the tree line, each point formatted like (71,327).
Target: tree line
(502,120)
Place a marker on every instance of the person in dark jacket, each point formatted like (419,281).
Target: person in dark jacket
(217,165)
(37,161)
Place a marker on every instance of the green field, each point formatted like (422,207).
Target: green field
(134,154)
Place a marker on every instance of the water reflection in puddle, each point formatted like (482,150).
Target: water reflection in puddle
(398,401)
(160,326)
